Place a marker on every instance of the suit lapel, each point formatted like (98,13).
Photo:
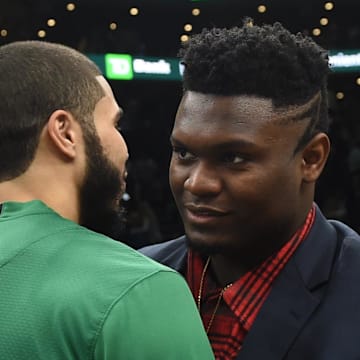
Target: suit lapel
(295,295)
(283,314)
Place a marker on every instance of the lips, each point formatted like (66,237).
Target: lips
(203,214)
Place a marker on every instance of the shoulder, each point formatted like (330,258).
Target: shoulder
(343,241)
(97,252)
(172,253)
(349,246)
(164,304)
(177,245)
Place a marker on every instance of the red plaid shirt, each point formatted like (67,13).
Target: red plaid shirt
(243,300)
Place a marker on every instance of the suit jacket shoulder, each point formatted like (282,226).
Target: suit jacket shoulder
(171,253)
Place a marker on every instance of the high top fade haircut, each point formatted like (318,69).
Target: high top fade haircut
(36,79)
(264,61)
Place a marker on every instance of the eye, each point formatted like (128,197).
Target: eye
(182,153)
(233,159)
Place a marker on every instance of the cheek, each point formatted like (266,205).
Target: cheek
(117,150)
(123,151)
(177,178)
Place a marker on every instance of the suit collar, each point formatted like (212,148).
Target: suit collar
(295,295)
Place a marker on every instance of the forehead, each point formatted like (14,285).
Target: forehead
(105,86)
(230,110)
(204,114)
(214,119)
(107,105)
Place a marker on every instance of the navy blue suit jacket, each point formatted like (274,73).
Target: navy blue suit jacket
(313,309)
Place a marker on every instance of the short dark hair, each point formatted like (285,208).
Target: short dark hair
(37,78)
(265,61)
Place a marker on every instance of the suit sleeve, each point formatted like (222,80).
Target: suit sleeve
(157,319)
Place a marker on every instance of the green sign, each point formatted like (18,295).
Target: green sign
(118,66)
(127,67)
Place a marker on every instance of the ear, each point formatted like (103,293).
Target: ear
(63,130)
(314,157)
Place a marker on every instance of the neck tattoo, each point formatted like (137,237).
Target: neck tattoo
(200,295)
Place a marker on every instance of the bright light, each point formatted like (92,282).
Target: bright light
(340,95)
(70,7)
(329,6)
(134,11)
(3,32)
(250,23)
(261,9)
(113,26)
(51,22)
(196,11)
(184,38)
(324,21)
(188,27)
(41,33)
(358,81)
(316,32)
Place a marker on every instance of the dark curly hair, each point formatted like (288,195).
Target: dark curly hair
(266,61)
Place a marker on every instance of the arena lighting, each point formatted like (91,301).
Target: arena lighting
(51,22)
(261,9)
(184,38)
(187,27)
(324,21)
(340,95)
(3,32)
(134,11)
(113,26)
(328,6)
(41,33)
(196,12)
(316,32)
(70,7)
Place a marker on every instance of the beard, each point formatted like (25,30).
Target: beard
(103,187)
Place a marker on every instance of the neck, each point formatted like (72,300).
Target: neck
(60,199)
(227,269)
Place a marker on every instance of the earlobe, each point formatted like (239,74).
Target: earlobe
(62,132)
(314,157)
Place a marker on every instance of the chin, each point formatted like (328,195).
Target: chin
(204,244)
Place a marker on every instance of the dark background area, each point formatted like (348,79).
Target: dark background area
(150,106)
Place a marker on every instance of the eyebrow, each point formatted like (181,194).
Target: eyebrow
(239,143)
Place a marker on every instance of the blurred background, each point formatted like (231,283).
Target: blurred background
(147,83)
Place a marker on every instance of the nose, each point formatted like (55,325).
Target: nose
(203,180)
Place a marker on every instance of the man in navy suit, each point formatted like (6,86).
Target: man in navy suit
(272,278)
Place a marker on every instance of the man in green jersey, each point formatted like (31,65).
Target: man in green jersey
(68,292)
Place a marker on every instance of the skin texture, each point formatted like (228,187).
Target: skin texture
(240,189)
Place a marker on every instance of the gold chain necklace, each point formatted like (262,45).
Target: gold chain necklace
(200,295)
